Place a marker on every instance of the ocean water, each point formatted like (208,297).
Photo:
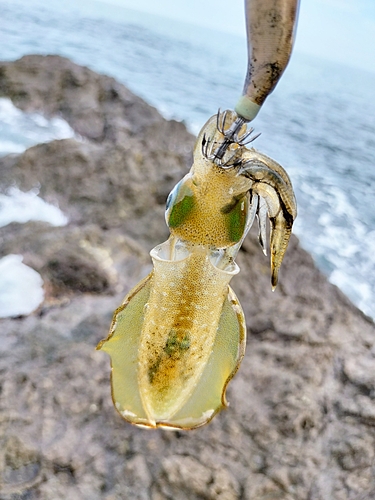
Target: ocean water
(21,288)
(319,123)
(19,130)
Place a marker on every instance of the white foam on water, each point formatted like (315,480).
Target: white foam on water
(19,206)
(21,288)
(359,292)
(339,237)
(20,130)
(8,147)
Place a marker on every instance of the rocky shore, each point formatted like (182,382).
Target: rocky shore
(301,421)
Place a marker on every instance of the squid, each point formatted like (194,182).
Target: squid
(179,336)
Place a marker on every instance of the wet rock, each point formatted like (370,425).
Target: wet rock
(301,421)
(96,106)
(184,477)
(74,272)
(21,466)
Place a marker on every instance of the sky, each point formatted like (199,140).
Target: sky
(338,30)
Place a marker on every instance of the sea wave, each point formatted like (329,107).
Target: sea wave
(20,130)
(21,207)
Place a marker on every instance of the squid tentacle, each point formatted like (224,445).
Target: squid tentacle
(274,187)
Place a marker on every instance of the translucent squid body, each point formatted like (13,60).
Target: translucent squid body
(179,336)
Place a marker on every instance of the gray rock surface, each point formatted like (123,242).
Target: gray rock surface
(301,421)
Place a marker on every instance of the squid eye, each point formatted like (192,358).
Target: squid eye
(169,201)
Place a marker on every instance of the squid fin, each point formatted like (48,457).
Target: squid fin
(208,396)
